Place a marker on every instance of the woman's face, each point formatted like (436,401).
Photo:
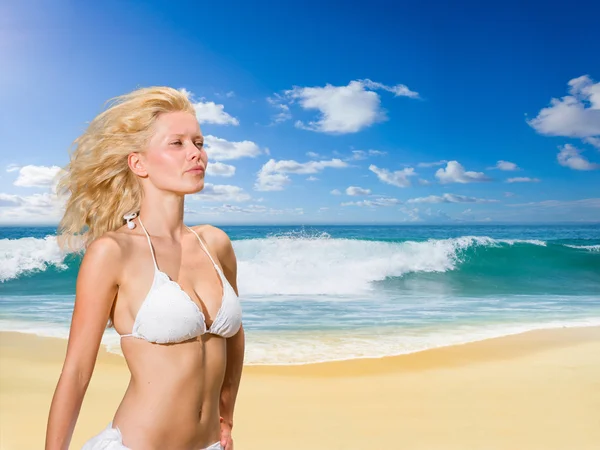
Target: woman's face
(175,159)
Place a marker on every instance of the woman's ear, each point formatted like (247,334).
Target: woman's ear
(136,164)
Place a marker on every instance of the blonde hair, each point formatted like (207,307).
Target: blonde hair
(98,182)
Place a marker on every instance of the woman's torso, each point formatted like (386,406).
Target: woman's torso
(172,400)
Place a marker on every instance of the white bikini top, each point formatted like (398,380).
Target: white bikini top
(168,315)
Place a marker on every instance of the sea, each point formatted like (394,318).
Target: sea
(323,293)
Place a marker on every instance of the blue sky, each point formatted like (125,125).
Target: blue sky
(323,112)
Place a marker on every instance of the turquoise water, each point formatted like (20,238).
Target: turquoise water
(337,292)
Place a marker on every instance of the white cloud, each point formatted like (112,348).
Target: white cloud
(398,178)
(291,166)
(37,208)
(279,102)
(272,176)
(455,173)
(251,209)
(358,155)
(271,181)
(220,169)
(509,194)
(343,109)
(400,90)
(313,155)
(311,178)
(583,203)
(570,156)
(574,115)
(450,198)
(227,208)
(523,180)
(37,176)
(355,190)
(12,167)
(45,200)
(436,216)
(336,192)
(221,193)
(432,164)
(9,200)
(593,141)
(424,182)
(230,94)
(383,201)
(412,213)
(211,112)
(45,207)
(505,165)
(221,149)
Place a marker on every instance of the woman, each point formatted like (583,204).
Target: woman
(168,290)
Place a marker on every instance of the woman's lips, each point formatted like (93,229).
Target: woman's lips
(196,170)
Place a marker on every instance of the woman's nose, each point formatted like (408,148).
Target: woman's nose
(194,153)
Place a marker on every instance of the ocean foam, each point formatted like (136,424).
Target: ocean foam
(296,348)
(523,241)
(294,263)
(589,248)
(290,265)
(19,256)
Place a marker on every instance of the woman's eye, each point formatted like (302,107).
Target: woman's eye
(176,143)
(199,144)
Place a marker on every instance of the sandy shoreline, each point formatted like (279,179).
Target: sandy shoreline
(536,390)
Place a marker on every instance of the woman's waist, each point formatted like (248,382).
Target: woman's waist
(174,392)
(185,421)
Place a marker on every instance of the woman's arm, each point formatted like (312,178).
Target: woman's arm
(236,343)
(233,375)
(96,288)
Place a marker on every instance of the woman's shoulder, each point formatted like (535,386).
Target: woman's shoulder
(108,247)
(111,246)
(116,241)
(113,249)
(104,256)
(211,233)
(215,238)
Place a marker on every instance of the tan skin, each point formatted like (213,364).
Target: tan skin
(178,392)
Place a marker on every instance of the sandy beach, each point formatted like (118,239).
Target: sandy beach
(536,390)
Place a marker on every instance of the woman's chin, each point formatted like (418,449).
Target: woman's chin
(188,188)
(197,187)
